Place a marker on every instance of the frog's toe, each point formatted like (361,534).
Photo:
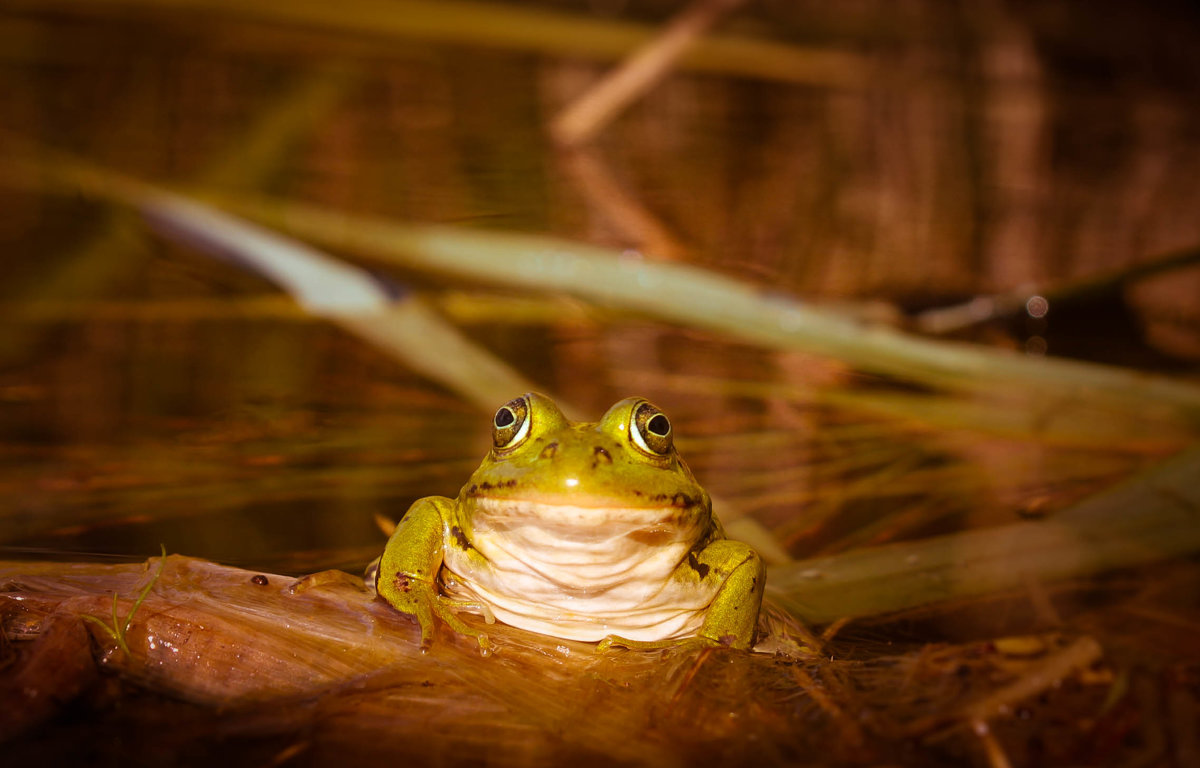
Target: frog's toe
(444,612)
(485,644)
(426,640)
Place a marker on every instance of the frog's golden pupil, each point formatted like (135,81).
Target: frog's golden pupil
(659,425)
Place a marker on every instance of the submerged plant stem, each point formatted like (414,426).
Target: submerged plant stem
(1152,517)
(1053,669)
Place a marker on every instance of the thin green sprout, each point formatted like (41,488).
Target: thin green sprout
(118,629)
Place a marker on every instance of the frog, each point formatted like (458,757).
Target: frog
(591,531)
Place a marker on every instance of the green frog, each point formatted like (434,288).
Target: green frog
(585,531)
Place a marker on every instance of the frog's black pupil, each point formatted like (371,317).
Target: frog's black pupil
(659,425)
(504,417)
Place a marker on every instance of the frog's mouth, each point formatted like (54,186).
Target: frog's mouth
(567,523)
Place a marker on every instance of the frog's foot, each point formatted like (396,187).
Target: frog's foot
(694,643)
(420,599)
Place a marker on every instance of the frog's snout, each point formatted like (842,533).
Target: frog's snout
(574,463)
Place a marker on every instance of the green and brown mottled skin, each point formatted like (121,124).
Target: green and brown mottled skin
(586,531)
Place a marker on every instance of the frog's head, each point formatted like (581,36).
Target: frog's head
(622,469)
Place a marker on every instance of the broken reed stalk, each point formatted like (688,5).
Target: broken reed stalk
(696,297)
(395,320)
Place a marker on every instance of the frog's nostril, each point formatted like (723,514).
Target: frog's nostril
(602,456)
(549,451)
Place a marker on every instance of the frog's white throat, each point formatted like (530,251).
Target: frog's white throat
(584,572)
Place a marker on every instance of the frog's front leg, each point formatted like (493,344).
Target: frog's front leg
(732,617)
(408,569)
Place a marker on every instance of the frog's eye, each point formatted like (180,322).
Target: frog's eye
(651,430)
(511,423)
